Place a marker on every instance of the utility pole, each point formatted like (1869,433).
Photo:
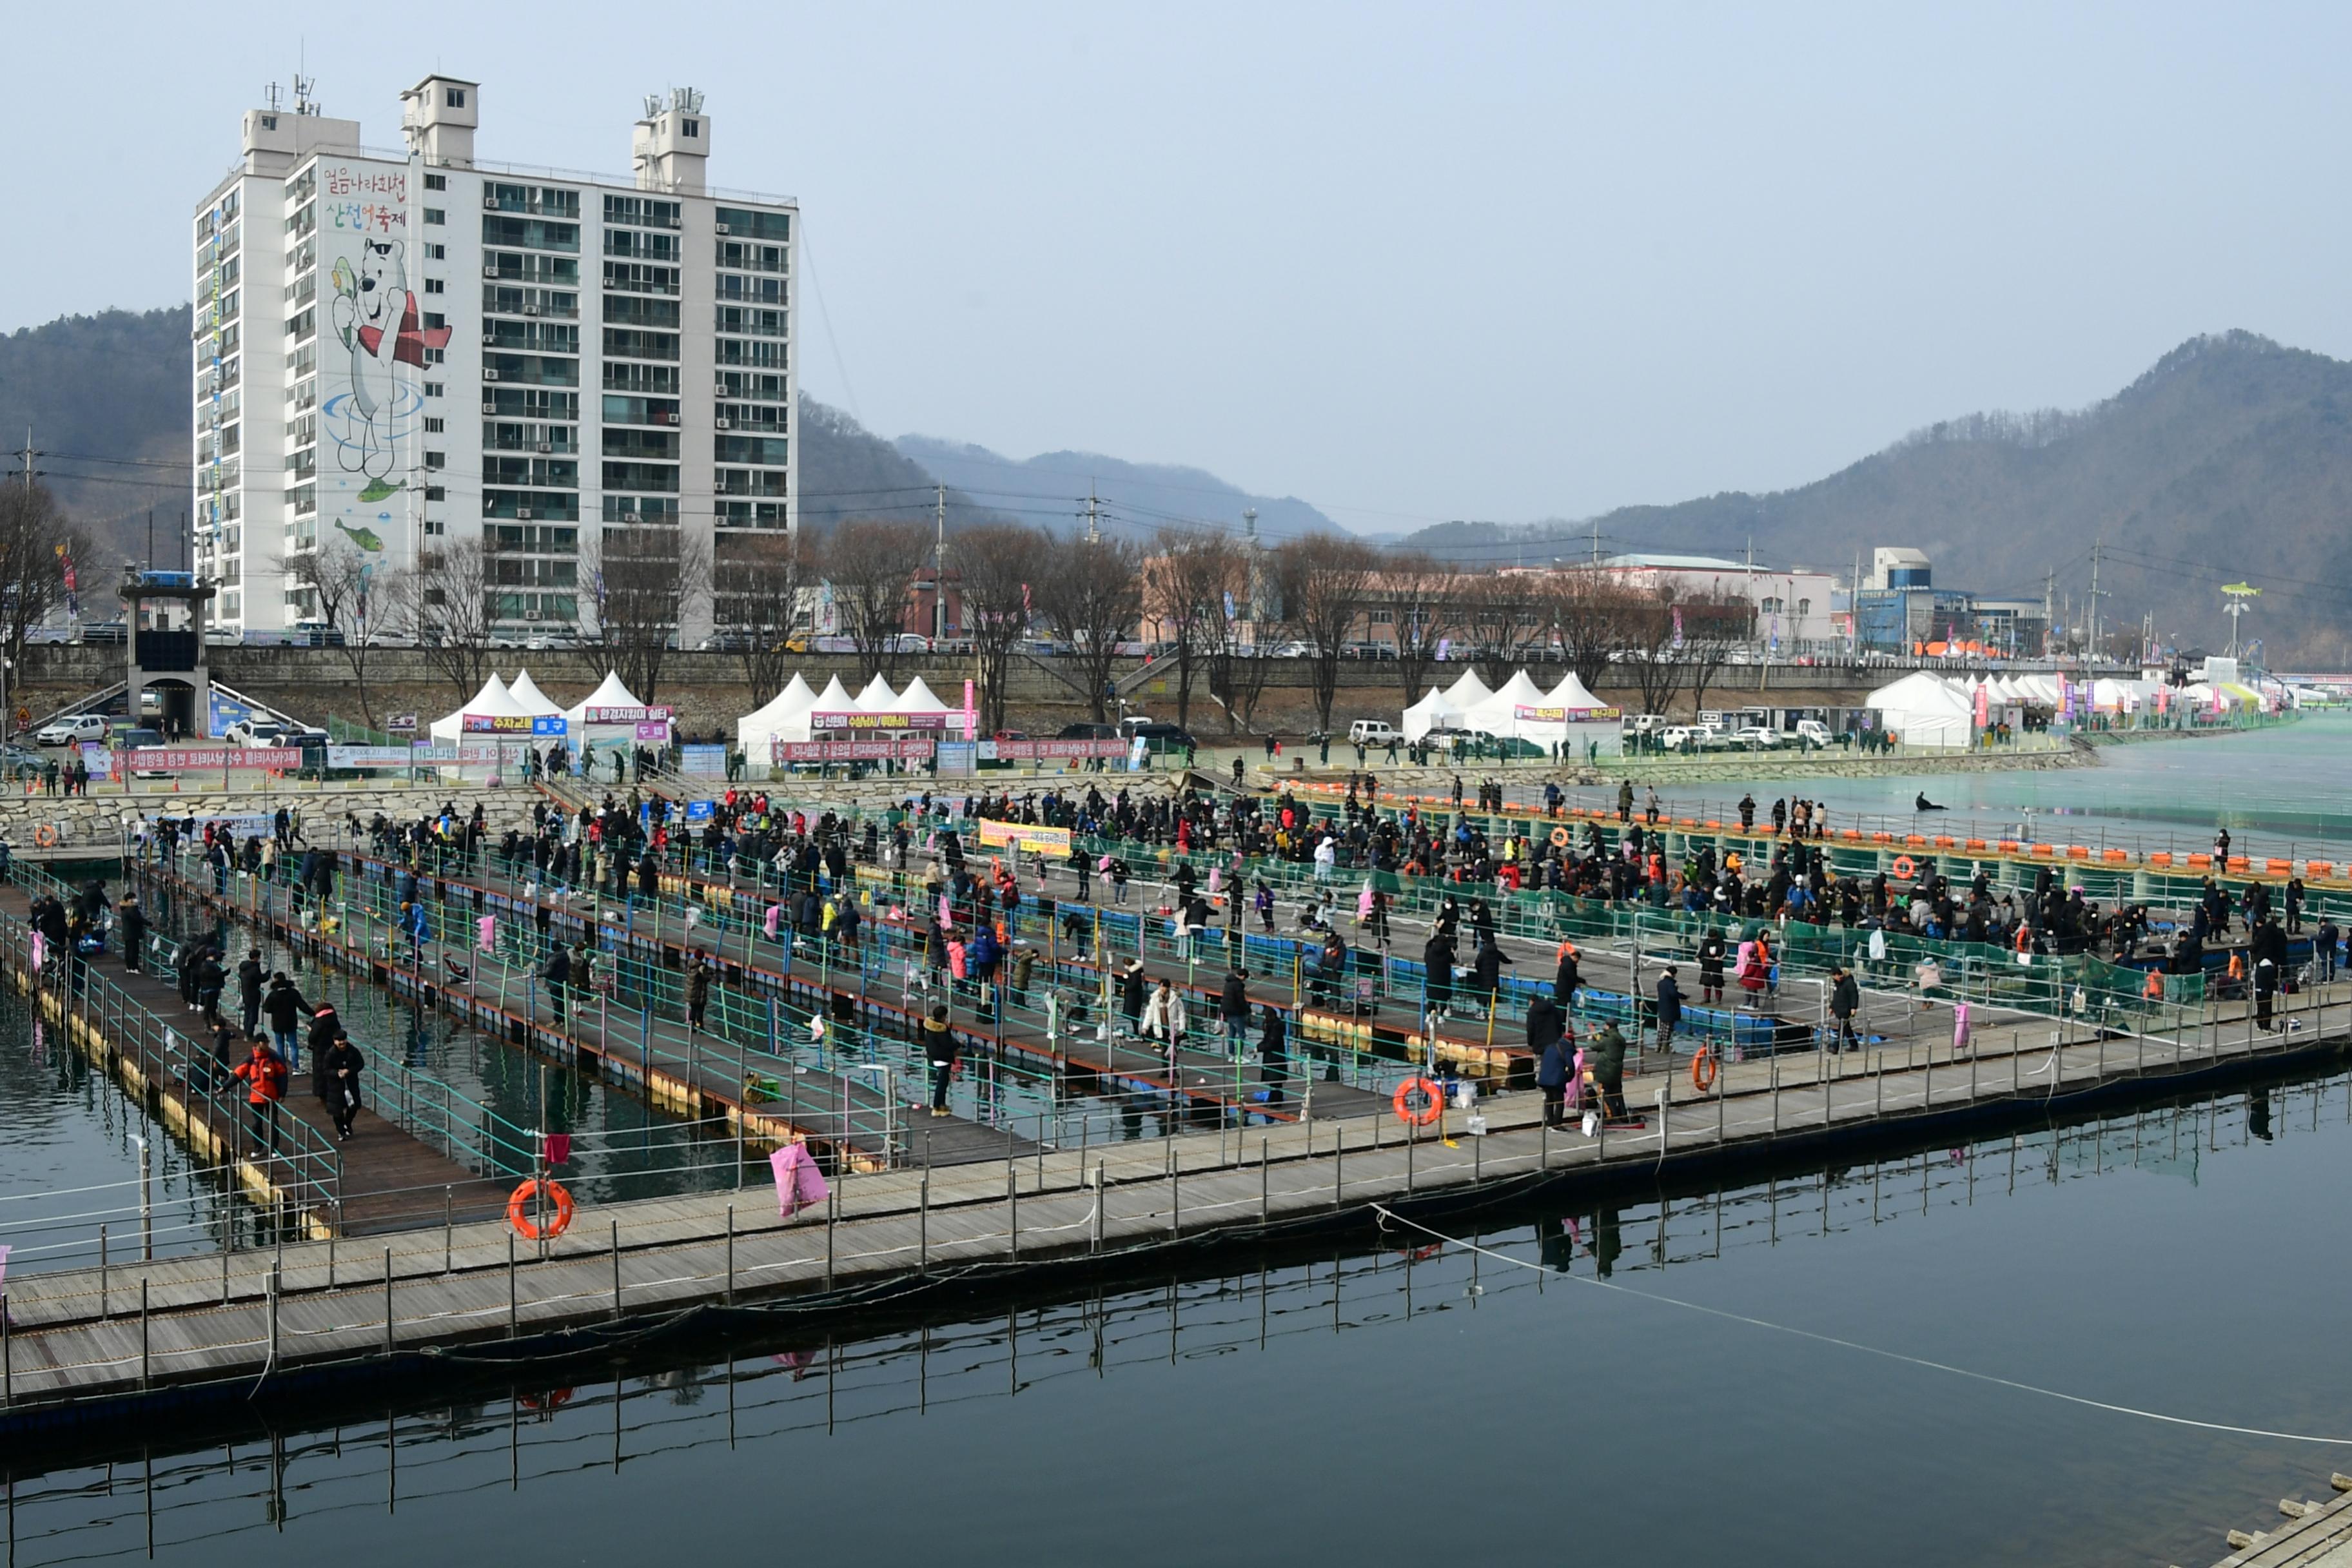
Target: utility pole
(940,572)
(26,455)
(2093,609)
(1094,532)
(1596,542)
(2049,627)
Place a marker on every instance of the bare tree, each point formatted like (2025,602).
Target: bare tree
(1184,596)
(1713,627)
(1091,590)
(450,600)
(1001,564)
(1324,580)
(1422,601)
(644,579)
(1240,645)
(871,565)
(759,582)
(1587,617)
(32,569)
(353,595)
(1507,617)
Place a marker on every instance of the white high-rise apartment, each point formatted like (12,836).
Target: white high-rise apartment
(397,351)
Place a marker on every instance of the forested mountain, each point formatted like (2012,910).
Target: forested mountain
(107,399)
(2229,460)
(1138,499)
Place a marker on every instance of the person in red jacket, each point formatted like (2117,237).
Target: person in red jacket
(264,1072)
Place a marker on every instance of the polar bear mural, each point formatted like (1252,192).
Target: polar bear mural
(375,316)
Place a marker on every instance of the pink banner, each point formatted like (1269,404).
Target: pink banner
(629,715)
(654,729)
(850,751)
(879,722)
(1564,715)
(202,759)
(1030,750)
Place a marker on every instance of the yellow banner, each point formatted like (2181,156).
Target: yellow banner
(1036,840)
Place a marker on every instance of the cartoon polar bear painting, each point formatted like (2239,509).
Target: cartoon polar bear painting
(375,315)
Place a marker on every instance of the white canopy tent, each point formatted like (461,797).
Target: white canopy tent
(1924,710)
(878,698)
(611,692)
(530,699)
(775,719)
(1467,692)
(1430,713)
(1571,693)
(918,698)
(493,698)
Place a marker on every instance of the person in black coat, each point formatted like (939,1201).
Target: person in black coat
(1437,966)
(1710,967)
(340,1066)
(1273,1058)
(1132,985)
(1670,1007)
(558,975)
(1233,1006)
(1486,968)
(1566,981)
(1554,1064)
(324,1026)
(250,976)
(133,921)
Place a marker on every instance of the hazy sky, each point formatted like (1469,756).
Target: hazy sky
(1409,262)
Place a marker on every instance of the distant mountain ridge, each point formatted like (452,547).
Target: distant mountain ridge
(1139,498)
(2230,458)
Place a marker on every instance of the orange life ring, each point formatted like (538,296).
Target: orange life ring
(1904,869)
(518,1210)
(45,835)
(1703,1070)
(1560,837)
(1433,1097)
(553,1399)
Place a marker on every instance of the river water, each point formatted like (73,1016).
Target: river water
(1396,1402)
(2279,792)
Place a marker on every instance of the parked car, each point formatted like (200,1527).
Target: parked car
(1755,738)
(1371,732)
(1449,741)
(254,732)
(1813,732)
(72,731)
(1089,732)
(143,739)
(105,632)
(314,634)
(1162,739)
(21,763)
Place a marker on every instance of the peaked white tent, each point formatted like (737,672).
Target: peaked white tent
(493,698)
(878,698)
(1924,710)
(1571,693)
(1495,714)
(1467,692)
(918,698)
(1430,713)
(530,699)
(774,718)
(613,692)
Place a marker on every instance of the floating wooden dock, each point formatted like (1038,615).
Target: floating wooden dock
(2317,1534)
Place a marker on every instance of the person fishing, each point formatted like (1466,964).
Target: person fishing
(1924,804)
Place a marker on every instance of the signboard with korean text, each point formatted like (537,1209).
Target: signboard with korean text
(1565,715)
(1029,835)
(367,756)
(213,758)
(877,722)
(782,751)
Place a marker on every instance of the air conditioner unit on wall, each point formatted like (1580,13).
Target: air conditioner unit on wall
(489,375)
(547,446)
(531,310)
(725,229)
(724,424)
(490,337)
(490,202)
(489,270)
(523,513)
(488,406)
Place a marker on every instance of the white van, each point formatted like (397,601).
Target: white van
(1371,733)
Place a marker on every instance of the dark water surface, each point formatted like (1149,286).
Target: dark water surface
(1373,1407)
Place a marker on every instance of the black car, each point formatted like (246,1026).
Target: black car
(1089,732)
(1164,738)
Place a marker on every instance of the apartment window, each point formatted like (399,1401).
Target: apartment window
(432,425)
(432,389)
(436,286)
(455,96)
(436,182)
(435,214)
(434,320)
(433,526)
(436,460)
(434,492)
(436,253)
(694,128)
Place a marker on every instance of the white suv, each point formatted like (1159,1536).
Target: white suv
(1371,733)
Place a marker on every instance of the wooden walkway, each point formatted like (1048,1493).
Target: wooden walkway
(381,1178)
(2318,1534)
(78,1335)
(1208,1082)
(841,1115)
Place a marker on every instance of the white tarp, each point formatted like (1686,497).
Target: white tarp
(493,698)
(1430,713)
(774,718)
(530,699)
(1924,710)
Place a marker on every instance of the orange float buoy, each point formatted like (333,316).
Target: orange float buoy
(1703,1070)
(518,1210)
(1432,1101)
(1904,869)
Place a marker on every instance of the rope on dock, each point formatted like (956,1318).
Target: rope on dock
(1388,1216)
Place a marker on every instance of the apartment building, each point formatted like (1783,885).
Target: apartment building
(399,352)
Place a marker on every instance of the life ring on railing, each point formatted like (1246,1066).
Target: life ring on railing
(45,835)
(1703,1070)
(518,1210)
(1560,837)
(1432,1101)
(1904,868)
